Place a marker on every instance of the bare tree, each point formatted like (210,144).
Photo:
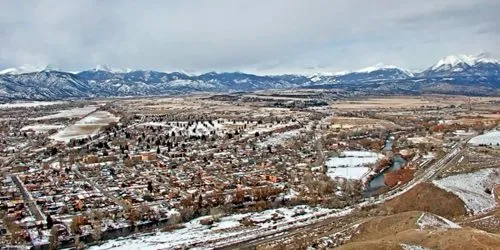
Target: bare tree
(54,238)
(78,244)
(96,229)
(15,230)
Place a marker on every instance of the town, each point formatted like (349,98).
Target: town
(83,172)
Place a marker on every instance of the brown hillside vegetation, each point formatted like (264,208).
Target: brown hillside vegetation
(379,227)
(488,222)
(389,232)
(429,198)
(372,245)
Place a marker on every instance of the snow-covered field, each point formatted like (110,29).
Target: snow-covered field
(102,118)
(279,138)
(351,164)
(27,104)
(195,129)
(470,188)
(491,138)
(227,229)
(347,172)
(353,159)
(264,128)
(70,113)
(87,126)
(42,128)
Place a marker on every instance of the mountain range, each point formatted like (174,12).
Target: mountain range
(458,74)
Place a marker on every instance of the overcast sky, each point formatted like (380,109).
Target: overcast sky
(262,36)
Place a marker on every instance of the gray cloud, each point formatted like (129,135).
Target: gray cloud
(262,36)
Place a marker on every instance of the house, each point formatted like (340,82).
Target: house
(91,159)
(148,156)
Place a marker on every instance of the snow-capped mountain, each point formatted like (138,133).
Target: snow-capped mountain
(465,65)
(379,72)
(452,74)
(380,67)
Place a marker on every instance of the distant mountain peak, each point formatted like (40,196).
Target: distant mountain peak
(460,60)
(382,66)
(454,60)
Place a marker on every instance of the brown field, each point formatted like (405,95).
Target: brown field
(379,227)
(490,223)
(395,102)
(465,238)
(401,102)
(355,122)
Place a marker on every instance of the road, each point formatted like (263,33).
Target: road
(33,208)
(95,185)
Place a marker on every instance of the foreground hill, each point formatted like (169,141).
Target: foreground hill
(427,197)
(419,230)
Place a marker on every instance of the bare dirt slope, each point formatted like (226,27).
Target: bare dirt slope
(390,232)
(429,198)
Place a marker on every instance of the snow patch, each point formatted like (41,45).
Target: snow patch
(27,104)
(470,188)
(432,221)
(279,138)
(412,247)
(490,138)
(87,126)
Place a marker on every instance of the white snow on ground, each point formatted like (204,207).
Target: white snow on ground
(432,221)
(489,138)
(87,126)
(27,104)
(98,118)
(195,129)
(347,172)
(353,159)
(470,188)
(365,154)
(264,128)
(70,113)
(228,230)
(351,164)
(279,138)
(412,247)
(42,128)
